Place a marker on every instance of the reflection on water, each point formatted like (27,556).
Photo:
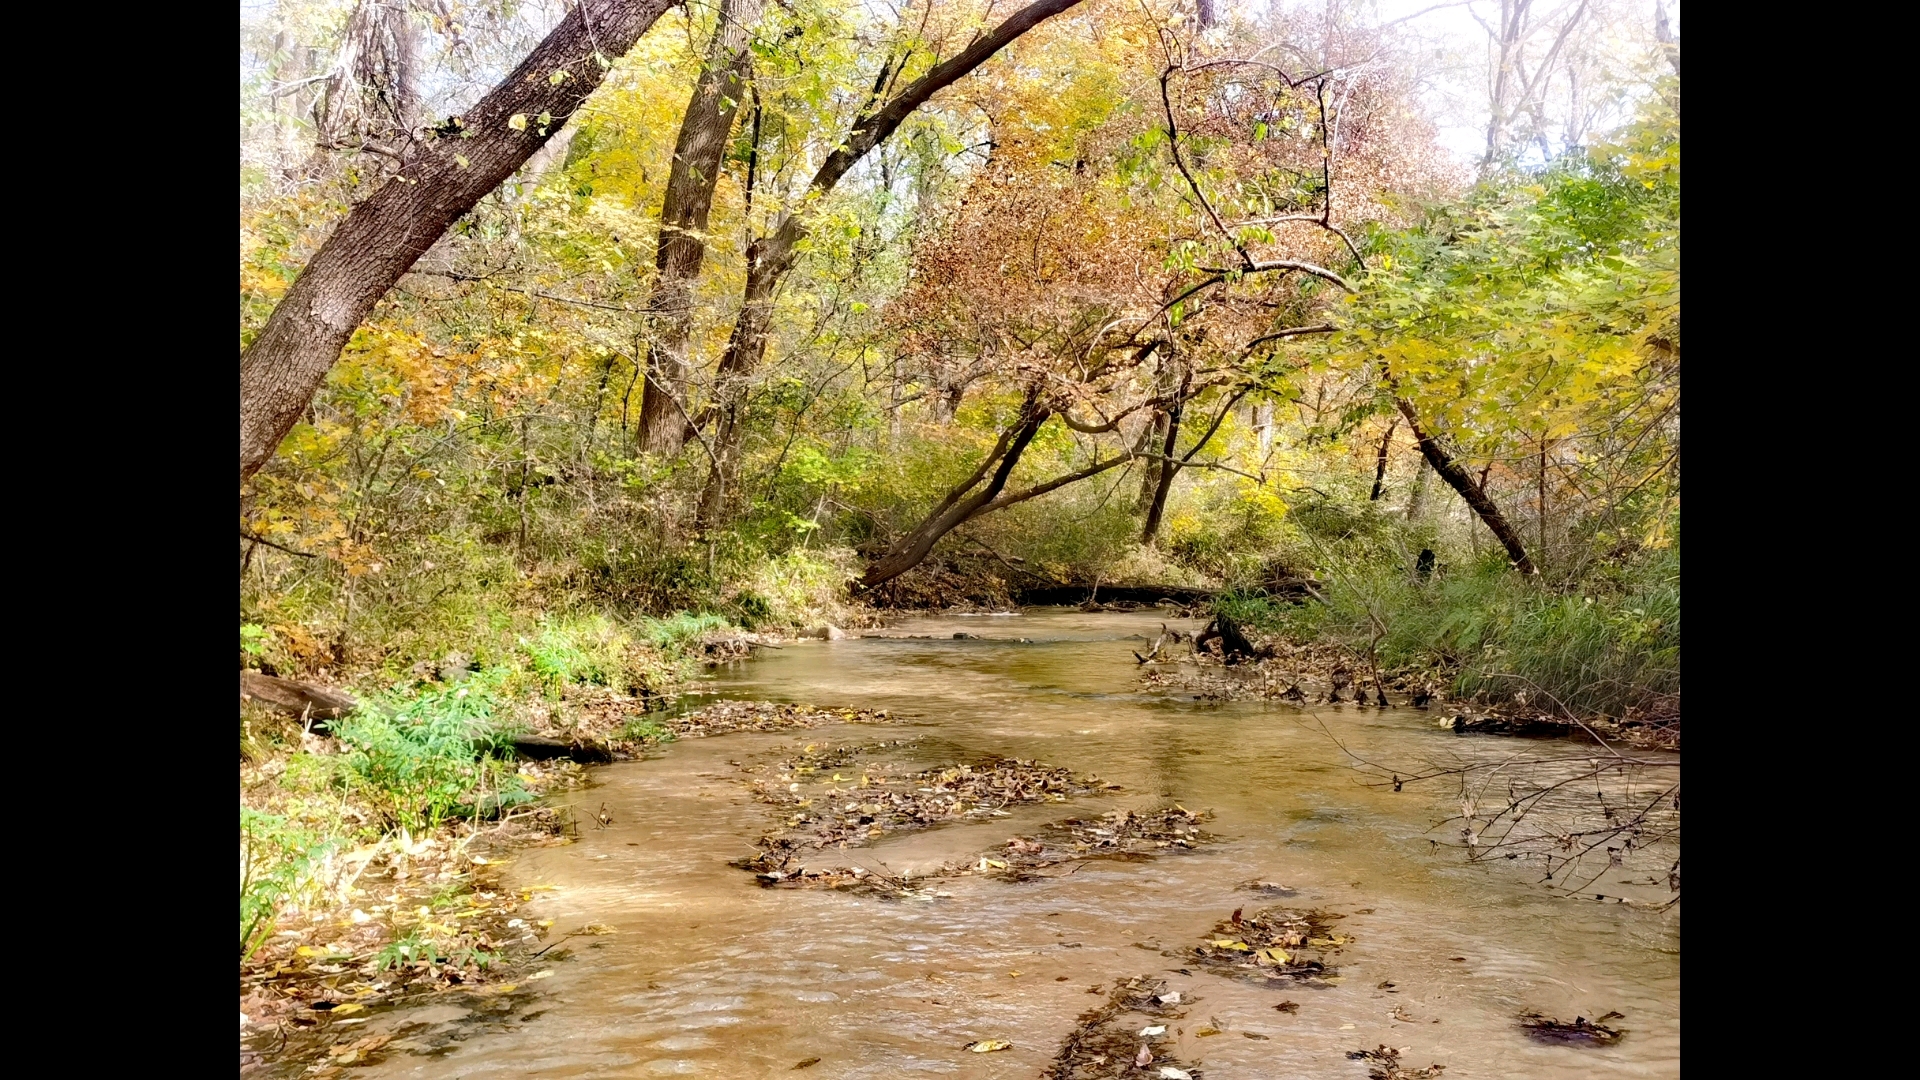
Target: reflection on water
(709,975)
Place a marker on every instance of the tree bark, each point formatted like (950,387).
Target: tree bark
(440,180)
(1170,467)
(1459,481)
(770,257)
(1380,464)
(1164,481)
(697,157)
(316,704)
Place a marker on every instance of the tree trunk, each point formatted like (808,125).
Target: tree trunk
(769,258)
(1458,480)
(440,180)
(315,704)
(682,247)
(958,506)
(1168,470)
(1155,430)
(1416,498)
(1380,463)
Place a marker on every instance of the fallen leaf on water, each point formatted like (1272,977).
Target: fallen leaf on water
(987,1046)
(806,1064)
(596,929)
(1254,1035)
(1287,1007)
(1276,955)
(540,975)
(1226,943)
(1206,1031)
(1013,974)
(349,1007)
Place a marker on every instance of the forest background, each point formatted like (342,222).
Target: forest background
(813,307)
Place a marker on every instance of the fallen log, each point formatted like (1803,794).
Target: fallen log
(1525,727)
(315,704)
(545,748)
(1145,595)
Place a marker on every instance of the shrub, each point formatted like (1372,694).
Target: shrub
(422,760)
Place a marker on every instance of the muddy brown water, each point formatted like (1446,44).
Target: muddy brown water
(708,975)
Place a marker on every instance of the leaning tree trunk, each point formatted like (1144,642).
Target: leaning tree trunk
(683,222)
(913,548)
(439,180)
(769,258)
(1458,480)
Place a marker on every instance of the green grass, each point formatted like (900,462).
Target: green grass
(1598,650)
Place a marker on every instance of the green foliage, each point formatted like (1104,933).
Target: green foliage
(418,760)
(646,730)
(1599,649)
(408,950)
(588,649)
(276,856)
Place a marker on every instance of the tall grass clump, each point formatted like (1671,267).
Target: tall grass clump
(1599,648)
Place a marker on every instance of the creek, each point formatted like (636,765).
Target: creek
(707,974)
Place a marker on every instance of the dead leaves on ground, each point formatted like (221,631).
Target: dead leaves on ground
(1274,947)
(1125,1036)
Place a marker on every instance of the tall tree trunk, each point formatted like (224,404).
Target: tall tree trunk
(1154,431)
(1417,495)
(683,221)
(1458,480)
(770,257)
(746,346)
(440,180)
(1171,466)
(1168,470)
(1380,463)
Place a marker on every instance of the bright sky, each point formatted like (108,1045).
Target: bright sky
(1456,48)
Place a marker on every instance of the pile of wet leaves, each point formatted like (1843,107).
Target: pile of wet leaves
(1301,673)
(303,992)
(1118,834)
(1123,1038)
(1580,1030)
(1274,947)
(1383,1063)
(726,716)
(597,725)
(855,810)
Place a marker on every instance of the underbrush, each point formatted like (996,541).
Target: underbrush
(1606,647)
(391,797)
